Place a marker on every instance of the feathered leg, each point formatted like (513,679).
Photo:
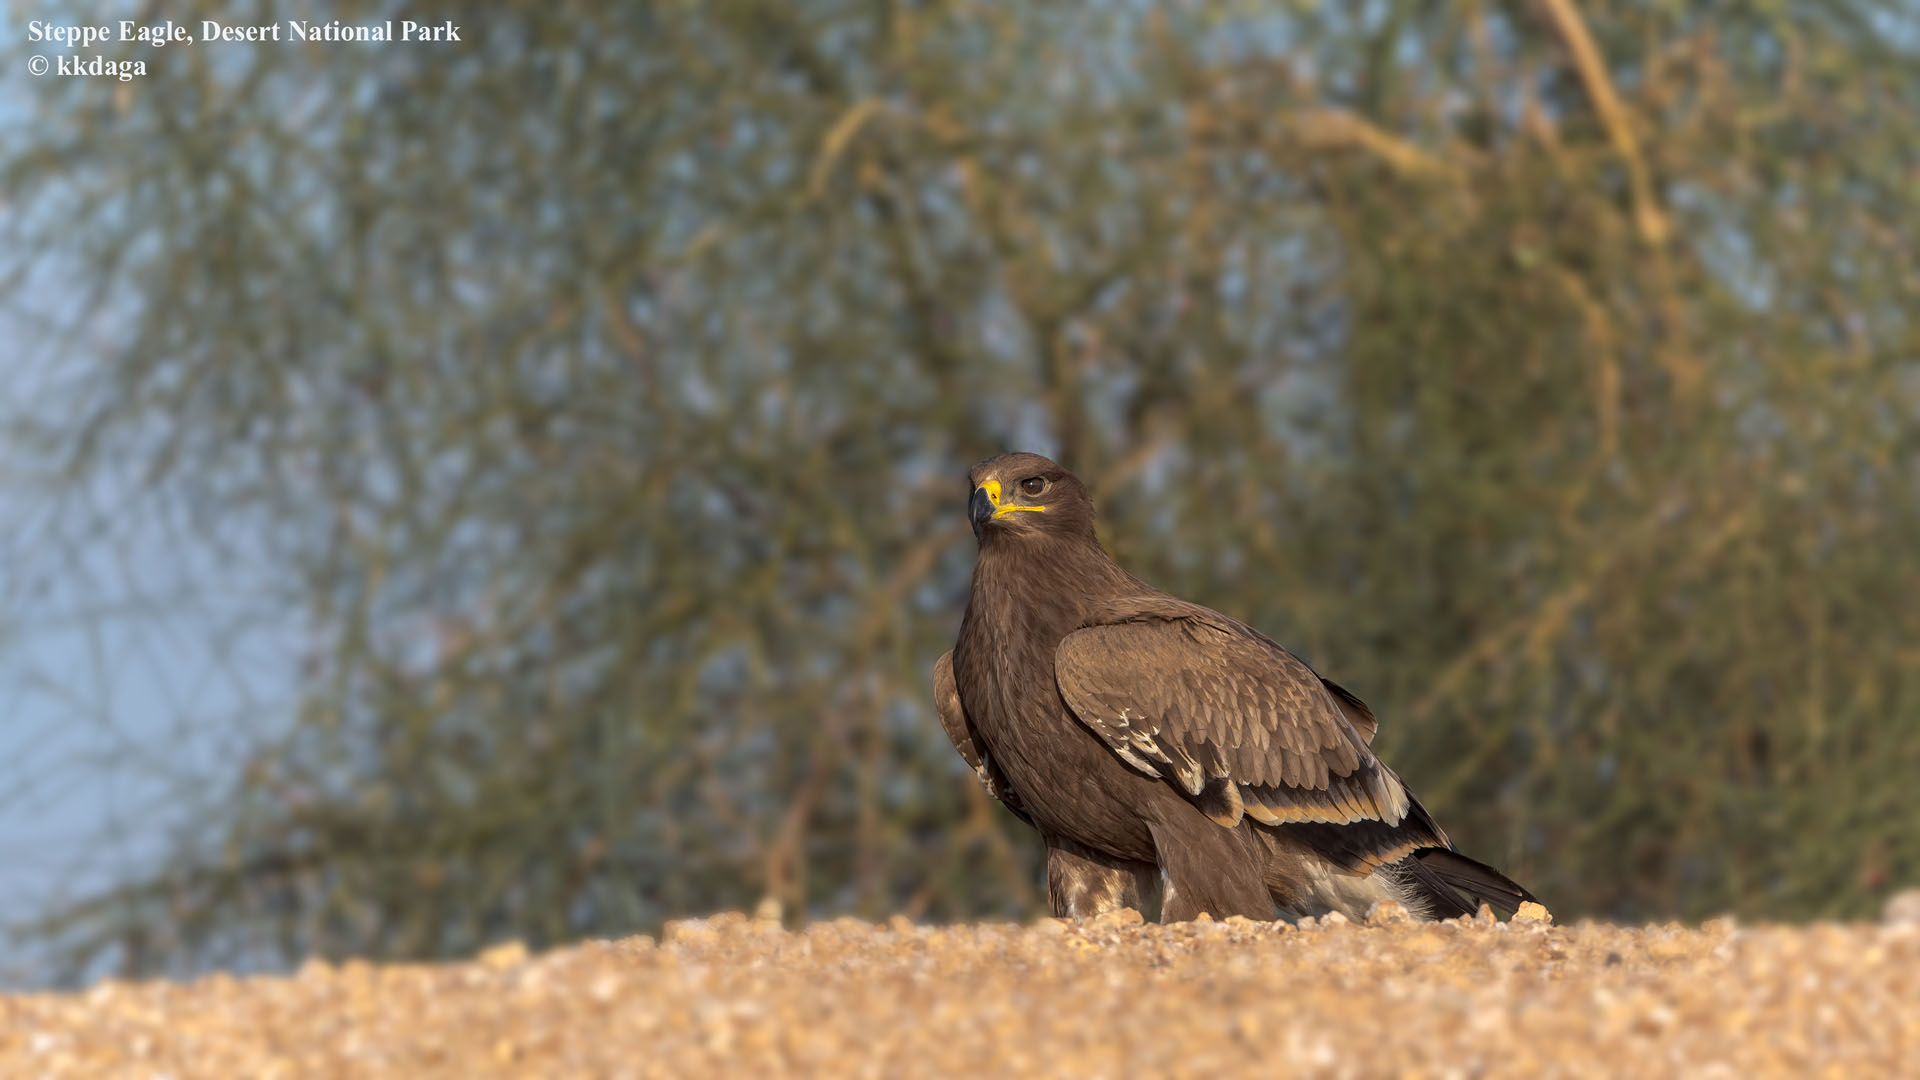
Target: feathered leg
(1082,883)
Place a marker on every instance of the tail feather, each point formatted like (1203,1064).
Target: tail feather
(1441,872)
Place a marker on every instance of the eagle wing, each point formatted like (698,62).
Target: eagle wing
(1241,726)
(953,718)
(1353,709)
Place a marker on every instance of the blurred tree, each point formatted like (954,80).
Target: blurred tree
(602,387)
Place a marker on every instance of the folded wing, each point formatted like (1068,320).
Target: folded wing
(1240,726)
(953,718)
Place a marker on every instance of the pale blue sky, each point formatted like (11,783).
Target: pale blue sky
(127,680)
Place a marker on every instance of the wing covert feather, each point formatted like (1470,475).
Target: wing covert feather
(1179,691)
(953,719)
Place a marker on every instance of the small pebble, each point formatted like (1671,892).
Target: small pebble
(500,957)
(1531,912)
(1902,909)
(1385,912)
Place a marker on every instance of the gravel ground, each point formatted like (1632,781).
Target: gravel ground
(729,995)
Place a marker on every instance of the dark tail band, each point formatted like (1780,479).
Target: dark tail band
(1444,875)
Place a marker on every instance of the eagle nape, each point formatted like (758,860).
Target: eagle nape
(1147,737)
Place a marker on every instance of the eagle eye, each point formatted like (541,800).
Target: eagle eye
(1033,485)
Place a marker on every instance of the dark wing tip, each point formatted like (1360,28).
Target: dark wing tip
(1354,710)
(1442,871)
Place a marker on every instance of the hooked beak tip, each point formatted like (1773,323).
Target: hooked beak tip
(980,509)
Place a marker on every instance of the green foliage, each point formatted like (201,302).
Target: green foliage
(603,388)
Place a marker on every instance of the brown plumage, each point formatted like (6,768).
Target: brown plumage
(1138,732)
(1081,883)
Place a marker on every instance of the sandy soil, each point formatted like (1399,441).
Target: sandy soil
(732,996)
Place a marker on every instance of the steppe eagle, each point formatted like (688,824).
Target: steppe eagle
(1146,736)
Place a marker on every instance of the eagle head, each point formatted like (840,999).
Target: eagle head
(1026,494)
